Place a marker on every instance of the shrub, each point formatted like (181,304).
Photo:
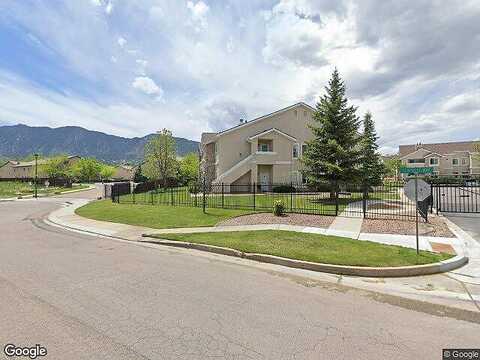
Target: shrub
(283,189)
(278,208)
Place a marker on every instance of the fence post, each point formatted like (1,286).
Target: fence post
(151,194)
(438,198)
(171,196)
(254,190)
(203,196)
(196,193)
(291,196)
(133,196)
(431,200)
(223,196)
(336,200)
(364,202)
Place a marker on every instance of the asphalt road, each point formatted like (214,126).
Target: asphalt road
(468,222)
(90,298)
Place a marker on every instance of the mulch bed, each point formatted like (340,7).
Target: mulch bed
(288,219)
(435,227)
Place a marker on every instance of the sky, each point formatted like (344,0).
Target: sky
(130,68)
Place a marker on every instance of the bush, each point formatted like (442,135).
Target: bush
(278,208)
(283,189)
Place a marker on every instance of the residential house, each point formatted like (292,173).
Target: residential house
(13,169)
(264,150)
(124,173)
(446,159)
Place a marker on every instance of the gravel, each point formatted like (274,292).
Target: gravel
(435,227)
(288,219)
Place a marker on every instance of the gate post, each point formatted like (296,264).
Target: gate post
(254,189)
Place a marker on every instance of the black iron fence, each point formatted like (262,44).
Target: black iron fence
(385,201)
(457,198)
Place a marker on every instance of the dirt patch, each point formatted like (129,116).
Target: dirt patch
(289,219)
(435,227)
(383,206)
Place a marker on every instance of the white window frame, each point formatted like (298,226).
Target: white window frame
(302,147)
(455,160)
(464,161)
(433,164)
(297,146)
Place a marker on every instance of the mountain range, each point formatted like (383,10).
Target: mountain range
(19,141)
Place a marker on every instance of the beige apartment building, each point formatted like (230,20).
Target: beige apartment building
(446,159)
(266,150)
(13,169)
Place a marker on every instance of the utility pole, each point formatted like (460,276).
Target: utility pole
(36,175)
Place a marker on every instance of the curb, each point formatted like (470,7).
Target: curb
(401,271)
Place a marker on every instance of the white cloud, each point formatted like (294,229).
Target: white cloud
(121,42)
(147,86)
(109,7)
(199,12)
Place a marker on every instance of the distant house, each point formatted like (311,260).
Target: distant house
(13,169)
(264,150)
(124,173)
(446,159)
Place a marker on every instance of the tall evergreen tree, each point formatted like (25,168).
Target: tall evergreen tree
(333,155)
(372,168)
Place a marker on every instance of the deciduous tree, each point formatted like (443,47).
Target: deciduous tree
(160,157)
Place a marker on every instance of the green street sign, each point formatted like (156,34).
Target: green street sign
(416,170)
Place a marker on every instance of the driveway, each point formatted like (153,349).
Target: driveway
(86,297)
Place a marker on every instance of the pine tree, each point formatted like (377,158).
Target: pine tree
(372,168)
(333,155)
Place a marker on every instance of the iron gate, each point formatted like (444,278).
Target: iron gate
(457,198)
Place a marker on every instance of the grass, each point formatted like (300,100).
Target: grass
(10,189)
(158,217)
(306,203)
(312,247)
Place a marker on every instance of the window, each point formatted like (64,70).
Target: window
(464,161)
(304,148)
(264,147)
(295,151)
(434,161)
(416,161)
(454,161)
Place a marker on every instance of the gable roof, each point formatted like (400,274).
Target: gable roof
(439,148)
(265,117)
(290,137)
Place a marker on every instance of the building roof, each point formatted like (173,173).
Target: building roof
(439,148)
(246,123)
(272,130)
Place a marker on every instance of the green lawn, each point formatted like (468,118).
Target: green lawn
(312,247)
(158,217)
(318,203)
(9,189)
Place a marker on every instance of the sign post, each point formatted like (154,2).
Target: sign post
(417,190)
(416,212)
